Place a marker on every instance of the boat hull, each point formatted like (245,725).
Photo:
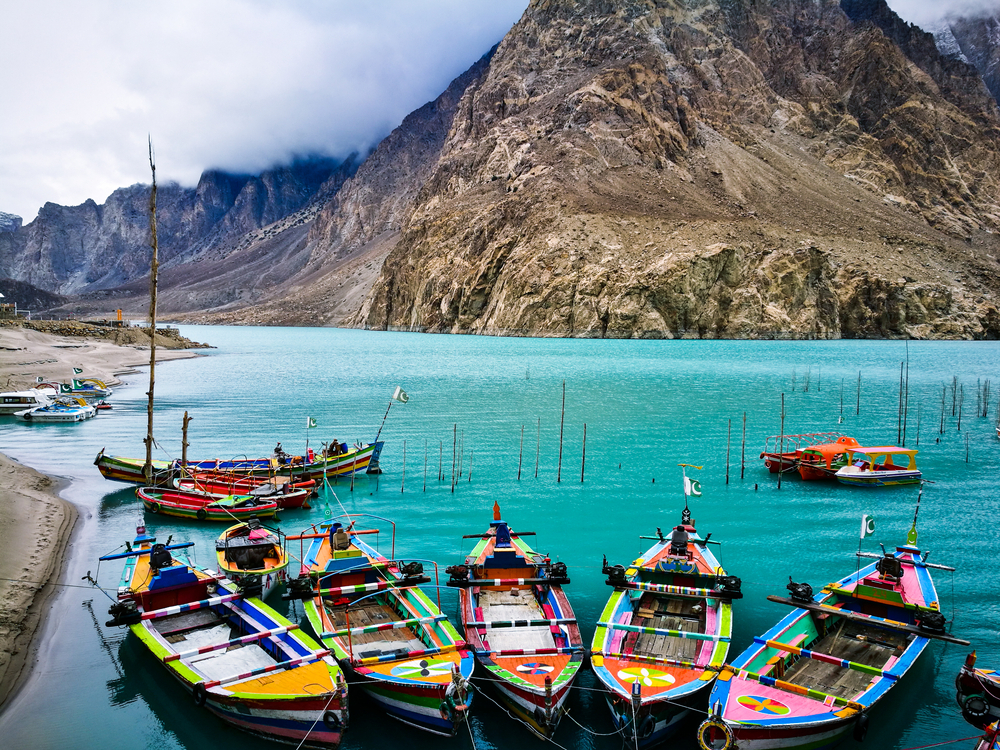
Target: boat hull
(418,705)
(157,503)
(879,478)
(656,721)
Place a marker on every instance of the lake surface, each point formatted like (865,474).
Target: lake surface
(647,406)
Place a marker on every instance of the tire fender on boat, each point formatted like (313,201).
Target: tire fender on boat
(202,514)
(154,507)
(646,727)
(714,730)
(861,728)
(331,721)
(975,709)
(200,694)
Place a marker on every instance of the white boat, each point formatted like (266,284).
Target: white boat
(62,410)
(884,466)
(15,401)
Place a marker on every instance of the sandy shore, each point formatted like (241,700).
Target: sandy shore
(35,523)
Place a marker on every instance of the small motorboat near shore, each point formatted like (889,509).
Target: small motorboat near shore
(61,410)
(15,401)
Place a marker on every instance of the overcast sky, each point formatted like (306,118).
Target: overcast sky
(231,84)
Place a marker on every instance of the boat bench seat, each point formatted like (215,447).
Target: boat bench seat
(781,655)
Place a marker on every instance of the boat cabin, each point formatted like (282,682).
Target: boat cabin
(883,458)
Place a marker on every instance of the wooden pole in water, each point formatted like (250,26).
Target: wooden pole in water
(729,435)
(154,265)
(859,394)
(743,447)
(944,392)
(425,464)
(961,403)
(454,449)
(461,453)
(966,447)
(402,484)
(472,452)
(184,439)
(520,455)
(781,445)
(583,461)
(538,445)
(841,399)
(899,408)
(954,393)
(562,419)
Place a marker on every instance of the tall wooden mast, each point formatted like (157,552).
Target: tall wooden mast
(147,468)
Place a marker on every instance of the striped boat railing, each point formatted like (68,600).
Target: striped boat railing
(470,582)
(394,625)
(177,609)
(790,687)
(137,552)
(533,651)
(226,644)
(828,658)
(362,588)
(664,631)
(398,656)
(657,660)
(663,588)
(521,623)
(311,656)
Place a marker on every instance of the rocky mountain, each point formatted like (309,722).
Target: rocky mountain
(976,41)
(648,168)
(9,222)
(91,247)
(28,297)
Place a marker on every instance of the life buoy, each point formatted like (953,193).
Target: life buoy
(715,734)
(975,709)
(767,464)
(646,727)
(331,721)
(200,694)
(861,728)
(443,709)
(154,507)
(202,514)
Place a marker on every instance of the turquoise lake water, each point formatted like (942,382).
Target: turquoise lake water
(647,405)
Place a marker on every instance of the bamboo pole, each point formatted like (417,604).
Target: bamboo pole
(583,461)
(184,439)
(154,266)
(781,445)
(944,393)
(729,435)
(743,447)
(961,403)
(520,455)
(562,419)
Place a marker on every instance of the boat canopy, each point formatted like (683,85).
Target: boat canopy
(884,452)
(829,450)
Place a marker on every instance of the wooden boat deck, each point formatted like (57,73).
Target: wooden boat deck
(844,643)
(671,614)
(503,606)
(379,642)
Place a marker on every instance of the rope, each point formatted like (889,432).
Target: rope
(468,725)
(519,719)
(319,719)
(65,585)
(947,742)
(591,731)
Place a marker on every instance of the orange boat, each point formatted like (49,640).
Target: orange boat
(782,452)
(824,461)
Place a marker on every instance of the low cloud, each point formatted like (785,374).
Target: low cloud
(928,14)
(230,84)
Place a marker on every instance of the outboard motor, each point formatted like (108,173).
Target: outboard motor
(800,592)
(558,570)
(458,573)
(730,586)
(123,613)
(412,569)
(299,588)
(159,557)
(615,573)
(932,622)
(251,586)
(889,566)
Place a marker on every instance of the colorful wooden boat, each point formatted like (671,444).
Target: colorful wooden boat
(354,461)
(823,461)
(978,693)
(664,634)
(60,410)
(877,467)
(201,507)
(238,658)
(812,679)
(388,635)
(782,452)
(518,619)
(252,556)
(991,738)
(287,494)
(90,389)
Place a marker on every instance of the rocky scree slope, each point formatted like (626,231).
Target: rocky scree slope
(735,168)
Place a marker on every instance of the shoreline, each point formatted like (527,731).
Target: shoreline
(37,523)
(35,531)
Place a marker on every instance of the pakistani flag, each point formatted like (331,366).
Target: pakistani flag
(692,487)
(77,371)
(39,379)
(867,526)
(310,422)
(400,395)
(65,388)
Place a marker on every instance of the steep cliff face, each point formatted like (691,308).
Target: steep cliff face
(90,247)
(738,168)
(976,41)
